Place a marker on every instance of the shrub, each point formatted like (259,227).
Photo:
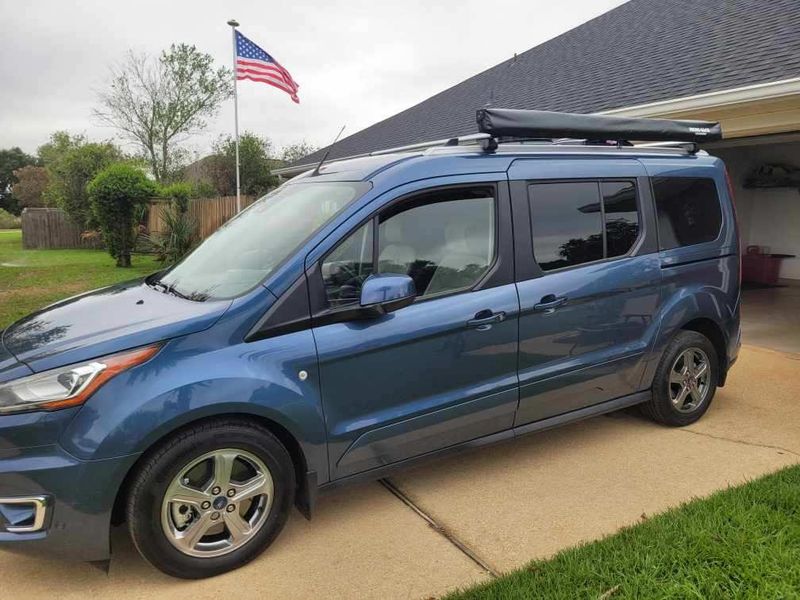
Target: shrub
(115,192)
(178,194)
(9,221)
(178,235)
(204,189)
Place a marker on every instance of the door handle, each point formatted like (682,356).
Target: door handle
(484,319)
(549,303)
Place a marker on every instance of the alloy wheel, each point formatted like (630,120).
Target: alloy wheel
(217,503)
(689,380)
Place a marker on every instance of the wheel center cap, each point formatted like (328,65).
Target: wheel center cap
(220,502)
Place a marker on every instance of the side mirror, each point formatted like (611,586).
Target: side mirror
(381,294)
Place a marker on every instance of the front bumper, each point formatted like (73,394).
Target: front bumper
(74,516)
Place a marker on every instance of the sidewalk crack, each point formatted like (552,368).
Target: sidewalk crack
(438,528)
(743,442)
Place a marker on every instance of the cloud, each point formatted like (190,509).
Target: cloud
(357,62)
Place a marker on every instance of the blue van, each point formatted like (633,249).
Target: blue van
(369,313)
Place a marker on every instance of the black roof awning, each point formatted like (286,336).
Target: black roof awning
(527,124)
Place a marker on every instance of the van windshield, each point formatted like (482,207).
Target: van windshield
(241,253)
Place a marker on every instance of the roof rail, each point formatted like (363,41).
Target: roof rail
(454,141)
(690,147)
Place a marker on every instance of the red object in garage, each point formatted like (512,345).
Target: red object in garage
(760,266)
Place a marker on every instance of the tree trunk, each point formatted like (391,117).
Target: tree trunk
(154,165)
(124,259)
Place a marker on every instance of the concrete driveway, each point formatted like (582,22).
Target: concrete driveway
(459,521)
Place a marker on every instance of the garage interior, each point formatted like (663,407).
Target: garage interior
(765,174)
(761,149)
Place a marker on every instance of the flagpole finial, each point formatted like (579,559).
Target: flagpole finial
(233,23)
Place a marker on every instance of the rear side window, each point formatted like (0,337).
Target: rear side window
(688,211)
(578,222)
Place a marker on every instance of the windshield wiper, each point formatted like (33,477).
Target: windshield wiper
(157,285)
(170,289)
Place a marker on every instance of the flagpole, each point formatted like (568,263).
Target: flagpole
(234,24)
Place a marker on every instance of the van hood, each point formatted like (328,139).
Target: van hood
(105,321)
(10,367)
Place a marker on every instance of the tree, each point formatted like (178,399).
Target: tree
(115,193)
(71,163)
(11,160)
(31,184)
(158,102)
(294,152)
(255,163)
(58,145)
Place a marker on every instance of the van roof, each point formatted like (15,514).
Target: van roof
(366,167)
(537,132)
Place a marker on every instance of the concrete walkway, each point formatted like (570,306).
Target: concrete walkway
(455,522)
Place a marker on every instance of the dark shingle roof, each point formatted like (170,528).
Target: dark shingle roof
(643,51)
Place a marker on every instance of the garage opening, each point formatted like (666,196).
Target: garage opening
(765,173)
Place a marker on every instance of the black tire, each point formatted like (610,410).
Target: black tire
(661,408)
(164,464)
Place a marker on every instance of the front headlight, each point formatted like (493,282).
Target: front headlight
(70,385)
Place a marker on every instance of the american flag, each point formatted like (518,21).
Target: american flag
(255,64)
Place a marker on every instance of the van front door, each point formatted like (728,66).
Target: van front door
(441,371)
(588,279)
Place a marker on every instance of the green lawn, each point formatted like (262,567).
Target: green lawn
(743,542)
(30,279)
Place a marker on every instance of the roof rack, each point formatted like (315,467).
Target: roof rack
(509,126)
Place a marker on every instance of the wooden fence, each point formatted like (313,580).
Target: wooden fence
(209,213)
(52,228)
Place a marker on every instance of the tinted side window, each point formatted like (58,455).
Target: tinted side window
(688,211)
(346,268)
(445,241)
(567,223)
(621,215)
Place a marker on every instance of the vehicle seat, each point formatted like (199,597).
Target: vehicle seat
(465,245)
(396,257)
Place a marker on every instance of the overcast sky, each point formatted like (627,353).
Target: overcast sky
(357,62)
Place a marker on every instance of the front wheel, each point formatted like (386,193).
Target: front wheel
(211,498)
(685,381)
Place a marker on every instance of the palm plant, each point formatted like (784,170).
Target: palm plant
(177,236)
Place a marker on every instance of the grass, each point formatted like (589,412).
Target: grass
(30,279)
(743,542)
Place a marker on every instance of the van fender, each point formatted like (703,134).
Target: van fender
(97,434)
(687,304)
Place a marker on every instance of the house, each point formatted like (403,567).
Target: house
(733,61)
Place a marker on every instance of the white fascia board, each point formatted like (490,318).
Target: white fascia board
(750,93)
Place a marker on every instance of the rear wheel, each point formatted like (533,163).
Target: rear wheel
(211,498)
(685,381)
